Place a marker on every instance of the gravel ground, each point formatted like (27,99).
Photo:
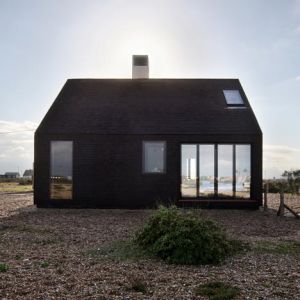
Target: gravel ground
(293,201)
(46,251)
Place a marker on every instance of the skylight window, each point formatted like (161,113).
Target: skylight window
(233,97)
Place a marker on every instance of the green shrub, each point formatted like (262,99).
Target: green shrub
(45,264)
(18,257)
(286,186)
(181,238)
(139,286)
(3,268)
(217,291)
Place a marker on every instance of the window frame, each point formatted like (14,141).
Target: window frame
(144,157)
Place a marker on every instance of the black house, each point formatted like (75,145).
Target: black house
(130,143)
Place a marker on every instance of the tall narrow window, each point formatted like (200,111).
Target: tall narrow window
(225,170)
(61,171)
(206,170)
(243,170)
(154,157)
(189,170)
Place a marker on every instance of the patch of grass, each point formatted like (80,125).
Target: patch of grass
(217,291)
(118,250)
(279,248)
(280,294)
(3,267)
(14,187)
(18,257)
(266,285)
(31,229)
(139,286)
(60,271)
(36,235)
(238,246)
(46,241)
(45,264)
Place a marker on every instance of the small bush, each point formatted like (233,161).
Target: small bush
(18,257)
(24,181)
(181,238)
(44,264)
(139,286)
(3,268)
(217,291)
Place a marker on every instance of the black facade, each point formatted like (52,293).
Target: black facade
(109,120)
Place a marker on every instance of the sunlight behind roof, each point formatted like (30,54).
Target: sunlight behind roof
(159,48)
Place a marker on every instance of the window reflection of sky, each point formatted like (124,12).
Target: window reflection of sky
(61,158)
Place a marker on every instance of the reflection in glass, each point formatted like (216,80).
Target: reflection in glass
(61,170)
(225,170)
(188,170)
(206,170)
(154,157)
(243,171)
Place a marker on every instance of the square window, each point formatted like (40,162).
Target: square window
(154,156)
(233,97)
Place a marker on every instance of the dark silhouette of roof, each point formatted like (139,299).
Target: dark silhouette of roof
(28,173)
(148,106)
(12,174)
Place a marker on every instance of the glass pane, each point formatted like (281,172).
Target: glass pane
(206,170)
(225,171)
(233,97)
(154,157)
(243,170)
(61,170)
(188,170)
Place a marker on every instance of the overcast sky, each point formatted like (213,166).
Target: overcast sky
(42,43)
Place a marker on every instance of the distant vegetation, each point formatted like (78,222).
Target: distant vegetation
(15,185)
(290,183)
(22,181)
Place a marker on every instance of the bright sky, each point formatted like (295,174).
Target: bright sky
(43,43)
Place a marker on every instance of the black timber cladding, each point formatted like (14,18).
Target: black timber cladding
(108,120)
(150,106)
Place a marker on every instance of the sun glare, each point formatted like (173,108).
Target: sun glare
(160,50)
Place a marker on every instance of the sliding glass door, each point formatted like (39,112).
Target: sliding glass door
(215,170)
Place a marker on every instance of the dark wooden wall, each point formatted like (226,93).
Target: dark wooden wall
(107,170)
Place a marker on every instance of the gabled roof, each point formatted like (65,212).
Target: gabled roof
(12,173)
(28,172)
(150,106)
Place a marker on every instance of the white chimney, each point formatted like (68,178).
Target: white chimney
(140,67)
